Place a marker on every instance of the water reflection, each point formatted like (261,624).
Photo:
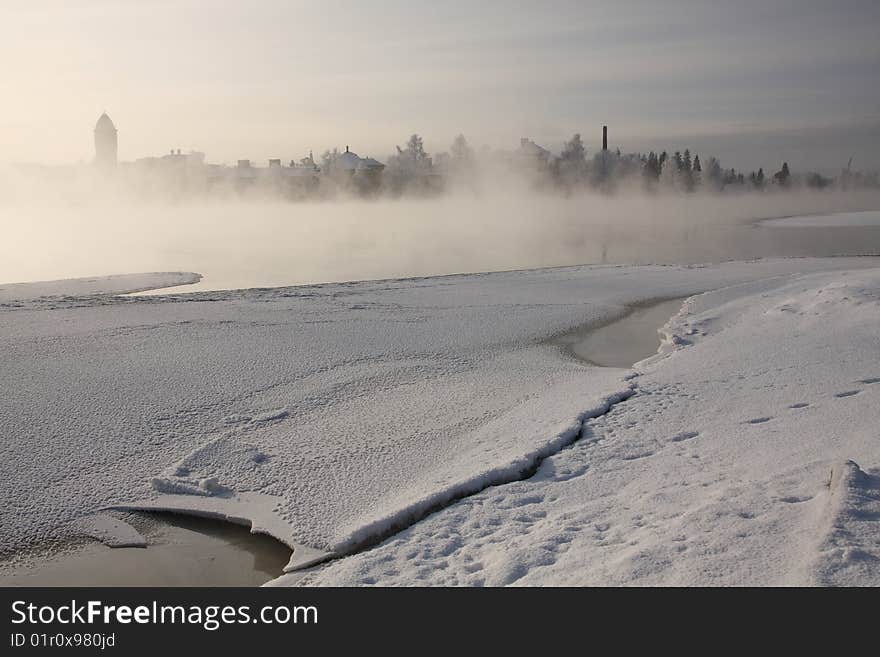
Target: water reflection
(181,551)
(239,245)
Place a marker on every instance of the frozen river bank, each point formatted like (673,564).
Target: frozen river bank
(748,454)
(332,414)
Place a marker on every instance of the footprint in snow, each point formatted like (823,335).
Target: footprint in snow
(848,393)
(759,420)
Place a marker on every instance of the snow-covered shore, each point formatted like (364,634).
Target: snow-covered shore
(95,285)
(332,415)
(748,454)
(834,220)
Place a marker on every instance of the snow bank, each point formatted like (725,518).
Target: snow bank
(839,219)
(849,550)
(81,287)
(355,408)
(733,462)
(253,510)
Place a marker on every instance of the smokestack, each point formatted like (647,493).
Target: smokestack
(604,137)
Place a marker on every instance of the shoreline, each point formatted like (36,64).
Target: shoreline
(413,387)
(179,550)
(75,286)
(623,341)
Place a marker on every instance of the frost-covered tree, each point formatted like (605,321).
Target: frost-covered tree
(461,165)
(714,175)
(687,174)
(756,180)
(328,159)
(572,164)
(783,176)
(414,152)
(460,152)
(651,169)
(409,168)
(670,176)
(574,151)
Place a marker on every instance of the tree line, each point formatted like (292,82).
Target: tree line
(411,169)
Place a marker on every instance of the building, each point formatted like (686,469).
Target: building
(349,169)
(105,143)
(532,155)
(351,162)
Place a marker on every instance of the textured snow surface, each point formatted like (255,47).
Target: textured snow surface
(356,407)
(747,455)
(97,285)
(840,219)
(110,531)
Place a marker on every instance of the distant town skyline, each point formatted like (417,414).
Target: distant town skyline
(753,83)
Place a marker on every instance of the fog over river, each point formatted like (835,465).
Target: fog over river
(240,244)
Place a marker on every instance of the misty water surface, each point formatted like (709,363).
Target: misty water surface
(239,243)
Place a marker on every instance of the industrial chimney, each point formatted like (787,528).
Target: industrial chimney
(604,137)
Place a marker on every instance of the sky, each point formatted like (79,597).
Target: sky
(754,82)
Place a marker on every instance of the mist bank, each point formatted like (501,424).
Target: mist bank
(262,243)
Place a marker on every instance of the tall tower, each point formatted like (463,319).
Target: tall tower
(105,143)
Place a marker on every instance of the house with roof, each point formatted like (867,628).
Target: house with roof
(351,162)
(349,168)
